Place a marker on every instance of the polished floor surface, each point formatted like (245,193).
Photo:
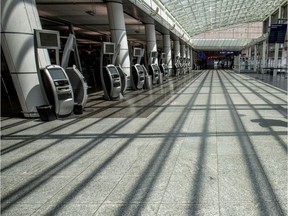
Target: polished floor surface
(279,81)
(213,143)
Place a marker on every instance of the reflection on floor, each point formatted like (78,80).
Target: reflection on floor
(279,81)
(215,144)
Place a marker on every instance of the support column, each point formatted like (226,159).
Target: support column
(187,54)
(182,50)
(167,50)
(118,34)
(176,46)
(263,57)
(276,53)
(150,40)
(249,57)
(19,19)
(255,58)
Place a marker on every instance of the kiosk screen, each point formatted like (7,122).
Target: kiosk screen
(109,48)
(137,52)
(57,73)
(154,67)
(139,68)
(47,39)
(113,70)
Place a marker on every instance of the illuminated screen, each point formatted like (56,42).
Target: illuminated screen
(57,73)
(113,70)
(137,52)
(277,33)
(47,39)
(139,68)
(154,67)
(109,48)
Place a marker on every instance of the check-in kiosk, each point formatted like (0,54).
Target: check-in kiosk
(181,66)
(110,77)
(58,89)
(163,67)
(123,78)
(177,66)
(77,80)
(137,73)
(189,65)
(53,79)
(153,68)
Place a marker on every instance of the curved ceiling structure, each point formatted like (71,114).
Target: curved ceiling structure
(197,16)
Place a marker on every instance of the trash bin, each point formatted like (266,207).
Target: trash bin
(46,112)
(148,82)
(78,109)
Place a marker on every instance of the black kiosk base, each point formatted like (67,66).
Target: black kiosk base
(46,113)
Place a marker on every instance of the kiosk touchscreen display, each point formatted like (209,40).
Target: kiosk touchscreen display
(139,68)
(57,73)
(137,52)
(113,70)
(154,67)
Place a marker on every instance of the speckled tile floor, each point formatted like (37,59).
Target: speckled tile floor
(211,144)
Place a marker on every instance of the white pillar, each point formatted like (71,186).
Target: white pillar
(264,59)
(19,19)
(176,46)
(249,57)
(118,34)
(255,57)
(187,54)
(276,53)
(150,40)
(167,50)
(182,50)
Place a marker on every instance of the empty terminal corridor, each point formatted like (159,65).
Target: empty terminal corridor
(212,143)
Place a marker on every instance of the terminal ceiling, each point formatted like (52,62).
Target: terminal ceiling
(195,16)
(198,16)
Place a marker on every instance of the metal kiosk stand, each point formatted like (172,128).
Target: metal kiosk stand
(53,79)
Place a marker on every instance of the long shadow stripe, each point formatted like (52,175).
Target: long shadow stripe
(157,162)
(25,189)
(271,131)
(81,185)
(256,171)
(34,138)
(138,112)
(197,183)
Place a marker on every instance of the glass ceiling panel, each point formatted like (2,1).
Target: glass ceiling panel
(197,16)
(220,44)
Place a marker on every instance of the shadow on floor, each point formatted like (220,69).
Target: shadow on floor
(270,122)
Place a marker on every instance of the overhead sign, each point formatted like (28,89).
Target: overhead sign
(277,33)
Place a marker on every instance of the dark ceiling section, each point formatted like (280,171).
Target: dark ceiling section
(91,24)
